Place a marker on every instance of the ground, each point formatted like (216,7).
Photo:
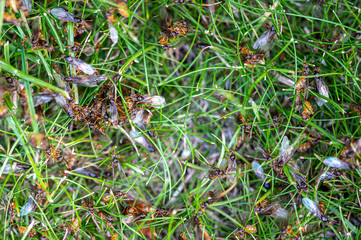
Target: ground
(180,119)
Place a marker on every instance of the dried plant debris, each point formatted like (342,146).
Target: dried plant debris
(180,119)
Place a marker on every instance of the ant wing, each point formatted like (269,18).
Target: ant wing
(258,170)
(81,65)
(204,173)
(285,143)
(35,27)
(286,151)
(165,20)
(356,148)
(133,218)
(29,206)
(304,166)
(64,15)
(282,222)
(330,174)
(139,119)
(257,146)
(190,224)
(101,189)
(89,50)
(322,89)
(113,111)
(84,193)
(217,194)
(63,103)
(135,201)
(86,80)
(312,207)
(336,163)
(265,42)
(99,135)
(43,97)
(139,138)
(244,217)
(231,171)
(9,168)
(154,100)
(113,33)
(306,88)
(231,166)
(30,187)
(279,212)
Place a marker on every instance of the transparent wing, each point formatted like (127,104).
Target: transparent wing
(285,144)
(283,219)
(88,49)
(81,65)
(265,42)
(298,168)
(86,80)
(63,15)
(261,150)
(205,171)
(231,166)
(258,170)
(306,88)
(30,187)
(15,167)
(63,103)
(139,118)
(43,97)
(336,163)
(191,223)
(286,151)
(231,171)
(7,169)
(322,89)
(35,28)
(29,206)
(99,189)
(312,207)
(279,212)
(305,166)
(133,200)
(301,180)
(355,148)
(154,100)
(28,4)
(133,218)
(329,175)
(113,111)
(217,194)
(202,174)
(113,33)
(116,164)
(257,43)
(99,135)
(139,138)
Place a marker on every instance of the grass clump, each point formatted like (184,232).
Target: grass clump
(180,119)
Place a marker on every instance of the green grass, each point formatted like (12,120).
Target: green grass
(204,91)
